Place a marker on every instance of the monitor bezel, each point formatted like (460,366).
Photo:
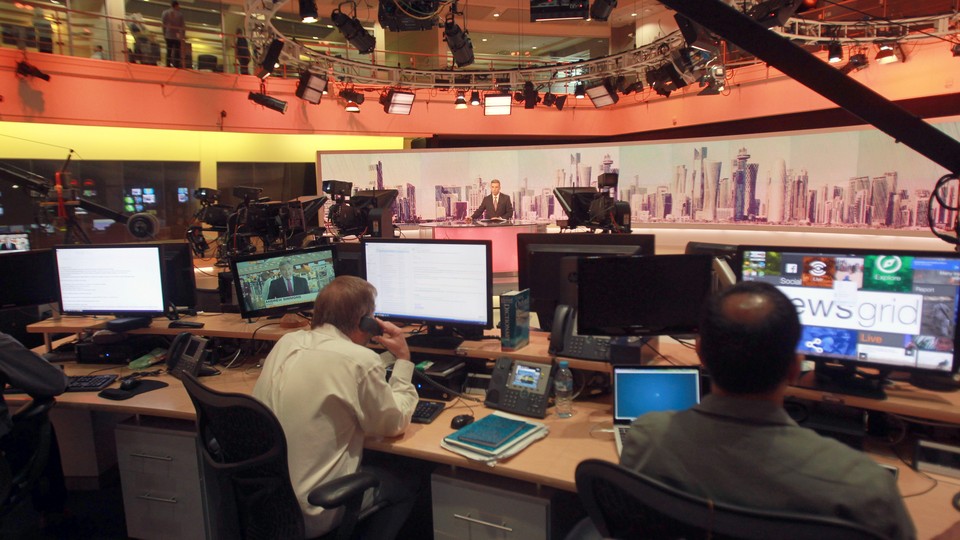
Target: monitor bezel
(855,252)
(37,286)
(118,312)
(438,322)
(274,310)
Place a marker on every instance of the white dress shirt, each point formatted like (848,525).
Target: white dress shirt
(329,393)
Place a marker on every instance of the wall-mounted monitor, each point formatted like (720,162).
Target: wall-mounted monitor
(446,285)
(642,296)
(539,258)
(279,282)
(121,279)
(889,310)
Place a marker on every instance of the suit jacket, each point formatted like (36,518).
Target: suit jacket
(503,209)
(278,289)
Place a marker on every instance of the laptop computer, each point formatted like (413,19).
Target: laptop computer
(638,390)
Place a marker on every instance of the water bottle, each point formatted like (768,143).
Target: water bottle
(563,390)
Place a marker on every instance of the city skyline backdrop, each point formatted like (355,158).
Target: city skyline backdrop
(846,178)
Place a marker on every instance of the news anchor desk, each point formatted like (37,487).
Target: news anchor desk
(548,463)
(502,234)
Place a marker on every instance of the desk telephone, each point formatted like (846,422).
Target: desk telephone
(564,340)
(520,387)
(186,355)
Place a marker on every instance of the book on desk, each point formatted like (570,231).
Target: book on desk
(514,319)
(494,437)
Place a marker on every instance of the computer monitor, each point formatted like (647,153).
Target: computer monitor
(642,296)
(14,242)
(346,259)
(539,258)
(724,257)
(891,310)
(279,282)
(179,276)
(29,278)
(444,284)
(120,279)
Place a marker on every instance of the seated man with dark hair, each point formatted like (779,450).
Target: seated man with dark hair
(739,446)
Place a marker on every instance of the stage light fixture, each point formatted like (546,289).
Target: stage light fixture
(558,10)
(697,36)
(553,100)
(603,94)
(857,62)
(530,96)
(459,43)
(397,101)
(496,104)
(352,99)
(475,98)
(461,102)
(355,33)
(311,87)
(835,52)
(29,70)
(774,12)
(268,102)
(629,83)
(714,81)
(308,11)
(889,53)
(601,9)
(579,91)
(955,49)
(561,101)
(270,60)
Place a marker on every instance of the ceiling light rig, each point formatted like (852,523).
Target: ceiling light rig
(835,52)
(308,11)
(311,87)
(352,100)
(601,9)
(889,52)
(269,102)
(461,101)
(352,30)
(271,59)
(397,101)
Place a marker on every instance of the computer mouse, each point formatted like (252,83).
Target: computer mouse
(129,384)
(461,420)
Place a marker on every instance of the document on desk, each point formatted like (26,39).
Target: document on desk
(518,433)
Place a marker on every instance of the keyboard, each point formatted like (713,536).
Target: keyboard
(89,383)
(427,411)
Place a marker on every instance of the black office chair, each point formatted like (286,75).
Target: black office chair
(624,504)
(243,443)
(26,449)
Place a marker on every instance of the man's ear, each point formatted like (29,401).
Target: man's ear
(796,368)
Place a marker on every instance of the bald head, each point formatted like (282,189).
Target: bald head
(748,338)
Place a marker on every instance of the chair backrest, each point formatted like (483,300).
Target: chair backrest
(624,504)
(26,449)
(243,443)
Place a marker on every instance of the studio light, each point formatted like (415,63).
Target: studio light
(628,84)
(601,9)
(268,102)
(461,102)
(308,11)
(530,96)
(29,70)
(353,100)
(311,87)
(496,104)
(714,81)
(772,13)
(579,91)
(270,59)
(857,62)
(558,10)
(459,43)
(355,33)
(955,49)
(553,100)
(697,36)
(835,52)
(397,101)
(603,94)
(475,98)
(889,53)
(665,79)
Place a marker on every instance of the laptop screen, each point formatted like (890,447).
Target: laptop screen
(638,390)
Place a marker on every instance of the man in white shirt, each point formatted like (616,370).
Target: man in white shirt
(329,392)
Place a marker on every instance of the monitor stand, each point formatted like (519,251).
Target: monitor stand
(435,338)
(937,382)
(847,380)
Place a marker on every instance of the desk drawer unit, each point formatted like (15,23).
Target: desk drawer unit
(160,477)
(477,506)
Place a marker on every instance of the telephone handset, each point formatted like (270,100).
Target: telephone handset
(520,387)
(564,340)
(186,355)
(370,326)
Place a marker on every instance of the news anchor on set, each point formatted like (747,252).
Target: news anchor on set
(496,205)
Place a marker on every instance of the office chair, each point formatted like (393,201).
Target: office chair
(26,450)
(624,504)
(243,444)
